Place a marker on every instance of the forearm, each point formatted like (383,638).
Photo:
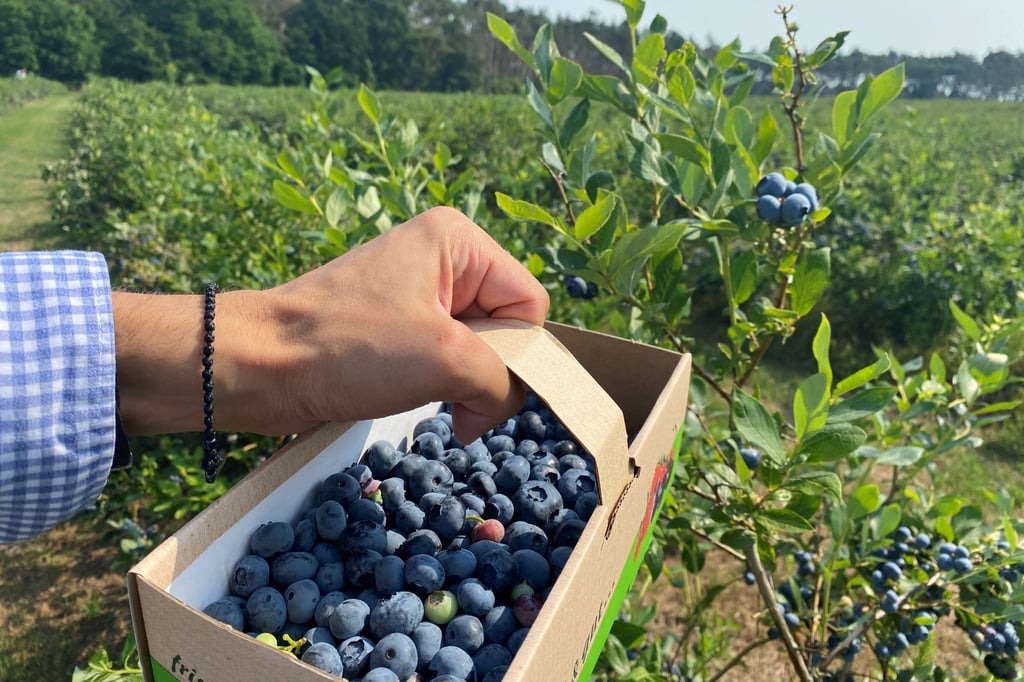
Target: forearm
(159,345)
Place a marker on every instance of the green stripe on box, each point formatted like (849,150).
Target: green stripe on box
(160,674)
(629,573)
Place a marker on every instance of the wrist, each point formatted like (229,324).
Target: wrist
(159,343)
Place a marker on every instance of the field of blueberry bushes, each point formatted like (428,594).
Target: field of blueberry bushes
(845,271)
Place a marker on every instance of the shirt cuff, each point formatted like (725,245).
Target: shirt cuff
(57,380)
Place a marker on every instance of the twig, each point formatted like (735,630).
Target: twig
(735,660)
(561,190)
(794,102)
(768,596)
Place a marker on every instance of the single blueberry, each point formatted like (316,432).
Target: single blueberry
(399,612)
(301,598)
(326,606)
(769,209)
(267,610)
(382,457)
(355,655)
(465,632)
(389,575)
(341,488)
(331,520)
(772,184)
(227,611)
(428,640)
(251,572)
(424,574)
(395,652)
(349,618)
(474,597)
(795,209)
(272,539)
(452,660)
(293,566)
(325,657)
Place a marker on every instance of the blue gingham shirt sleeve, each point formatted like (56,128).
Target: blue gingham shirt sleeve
(57,378)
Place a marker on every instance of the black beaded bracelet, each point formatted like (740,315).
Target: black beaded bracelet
(211,457)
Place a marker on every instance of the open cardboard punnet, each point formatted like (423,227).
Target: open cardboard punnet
(622,400)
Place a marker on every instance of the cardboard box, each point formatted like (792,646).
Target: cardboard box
(607,391)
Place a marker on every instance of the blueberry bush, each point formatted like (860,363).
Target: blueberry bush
(14,92)
(824,498)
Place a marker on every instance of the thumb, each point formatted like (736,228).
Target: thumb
(487,392)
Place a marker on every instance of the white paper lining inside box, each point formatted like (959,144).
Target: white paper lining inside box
(206,579)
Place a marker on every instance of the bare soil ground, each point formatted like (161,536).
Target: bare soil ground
(59,603)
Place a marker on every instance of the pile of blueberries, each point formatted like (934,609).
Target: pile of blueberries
(424,563)
(783,202)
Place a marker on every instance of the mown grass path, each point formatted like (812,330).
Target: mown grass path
(30,136)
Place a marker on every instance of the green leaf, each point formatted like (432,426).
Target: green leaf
(610,53)
(289,197)
(574,123)
(968,386)
(888,520)
(633,249)
(824,484)
(634,11)
(686,148)
(900,456)
(832,442)
(335,207)
(965,322)
(616,656)
(990,368)
(785,521)
(756,425)
(645,163)
(517,209)
(820,345)
(739,127)
(767,131)
(886,87)
(649,52)
(594,217)
(539,105)
(544,53)
(862,404)
(287,163)
(506,35)
(810,280)
(844,118)
(863,375)
(442,157)
(743,275)
(864,500)
(369,103)
(610,90)
(565,78)
(810,405)
(629,634)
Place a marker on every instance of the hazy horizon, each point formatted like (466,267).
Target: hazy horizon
(938,28)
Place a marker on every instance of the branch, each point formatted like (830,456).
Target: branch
(561,190)
(768,596)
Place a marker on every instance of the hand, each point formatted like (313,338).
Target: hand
(374,332)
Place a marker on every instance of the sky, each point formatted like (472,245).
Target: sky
(911,27)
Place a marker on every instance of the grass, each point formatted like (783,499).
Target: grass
(30,136)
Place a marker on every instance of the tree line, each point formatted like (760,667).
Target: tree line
(431,45)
